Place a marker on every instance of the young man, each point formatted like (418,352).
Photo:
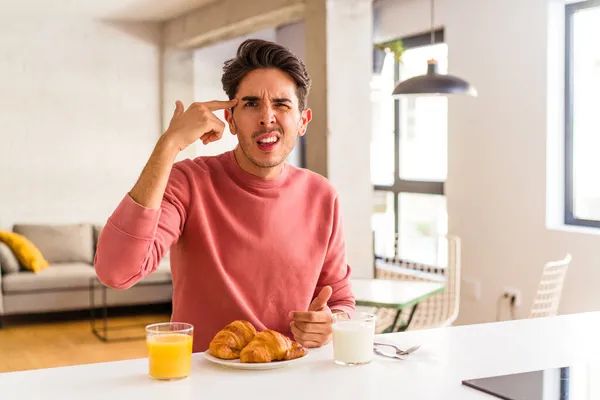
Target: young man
(251,237)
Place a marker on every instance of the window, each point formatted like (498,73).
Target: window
(582,119)
(409,157)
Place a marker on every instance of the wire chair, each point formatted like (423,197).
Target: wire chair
(439,310)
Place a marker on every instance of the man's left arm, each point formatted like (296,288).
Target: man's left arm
(336,271)
(333,294)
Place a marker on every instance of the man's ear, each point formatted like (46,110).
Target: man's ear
(304,120)
(228,113)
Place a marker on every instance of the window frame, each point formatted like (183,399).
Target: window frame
(402,185)
(569,215)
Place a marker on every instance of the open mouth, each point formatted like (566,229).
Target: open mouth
(268,144)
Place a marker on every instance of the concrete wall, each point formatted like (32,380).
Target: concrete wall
(79,115)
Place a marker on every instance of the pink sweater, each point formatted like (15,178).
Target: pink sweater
(241,247)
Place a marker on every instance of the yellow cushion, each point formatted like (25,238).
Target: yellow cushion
(26,252)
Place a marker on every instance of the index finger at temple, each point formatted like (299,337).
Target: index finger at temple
(220,105)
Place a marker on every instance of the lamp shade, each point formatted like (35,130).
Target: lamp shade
(433,83)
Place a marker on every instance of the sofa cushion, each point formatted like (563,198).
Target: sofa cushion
(61,243)
(8,260)
(25,250)
(68,276)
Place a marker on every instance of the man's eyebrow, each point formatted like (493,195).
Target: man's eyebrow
(276,100)
(281,100)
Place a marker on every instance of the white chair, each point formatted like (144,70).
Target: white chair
(549,292)
(439,310)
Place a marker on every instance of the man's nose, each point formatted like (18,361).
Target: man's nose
(267,116)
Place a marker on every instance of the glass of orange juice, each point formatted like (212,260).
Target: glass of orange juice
(169,350)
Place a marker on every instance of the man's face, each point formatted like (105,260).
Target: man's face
(266,118)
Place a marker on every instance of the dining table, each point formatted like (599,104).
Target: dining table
(394,294)
(448,357)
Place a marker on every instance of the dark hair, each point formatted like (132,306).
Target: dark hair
(254,54)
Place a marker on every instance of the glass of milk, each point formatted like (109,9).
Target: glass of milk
(353,338)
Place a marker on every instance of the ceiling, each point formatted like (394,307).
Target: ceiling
(134,10)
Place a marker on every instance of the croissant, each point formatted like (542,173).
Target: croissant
(270,345)
(229,341)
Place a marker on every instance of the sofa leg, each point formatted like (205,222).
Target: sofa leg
(1,322)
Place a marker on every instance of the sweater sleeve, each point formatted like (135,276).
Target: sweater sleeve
(336,272)
(136,238)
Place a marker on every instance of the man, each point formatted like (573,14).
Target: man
(250,236)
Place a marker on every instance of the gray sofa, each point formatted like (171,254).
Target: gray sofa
(66,283)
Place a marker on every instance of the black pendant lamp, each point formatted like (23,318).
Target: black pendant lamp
(433,83)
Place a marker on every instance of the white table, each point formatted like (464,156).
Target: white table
(447,356)
(393,293)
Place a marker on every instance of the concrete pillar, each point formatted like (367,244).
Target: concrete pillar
(292,36)
(339,52)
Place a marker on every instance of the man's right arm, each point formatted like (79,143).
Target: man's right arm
(145,224)
(151,216)
(150,187)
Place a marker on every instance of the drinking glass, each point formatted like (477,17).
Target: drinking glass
(353,339)
(169,350)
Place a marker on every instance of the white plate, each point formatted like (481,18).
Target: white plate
(256,366)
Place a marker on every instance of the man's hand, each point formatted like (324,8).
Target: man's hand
(312,328)
(197,122)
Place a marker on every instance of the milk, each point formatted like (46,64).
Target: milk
(353,341)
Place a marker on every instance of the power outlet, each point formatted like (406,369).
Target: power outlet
(510,292)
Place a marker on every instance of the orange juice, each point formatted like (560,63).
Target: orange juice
(169,355)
